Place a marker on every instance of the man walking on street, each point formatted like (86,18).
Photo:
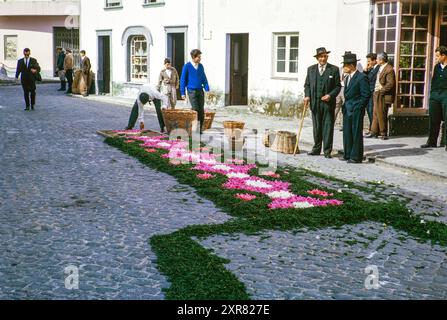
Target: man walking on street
(85,68)
(321,90)
(194,80)
(68,67)
(29,70)
(357,93)
(372,70)
(384,95)
(60,68)
(438,100)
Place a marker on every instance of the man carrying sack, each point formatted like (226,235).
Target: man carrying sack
(321,90)
(84,86)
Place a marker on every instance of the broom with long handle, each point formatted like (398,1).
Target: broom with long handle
(297,148)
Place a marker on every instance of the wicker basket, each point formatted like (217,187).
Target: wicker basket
(179,119)
(284,142)
(209,118)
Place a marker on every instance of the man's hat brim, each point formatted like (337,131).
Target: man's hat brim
(349,62)
(319,54)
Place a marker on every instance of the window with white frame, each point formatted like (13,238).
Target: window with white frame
(286,52)
(138,59)
(113,4)
(10,52)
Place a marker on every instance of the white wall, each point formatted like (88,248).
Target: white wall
(338,25)
(314,20)
(174,13)
(353,24)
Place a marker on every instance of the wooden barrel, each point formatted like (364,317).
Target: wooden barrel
(179,119)
(284,142)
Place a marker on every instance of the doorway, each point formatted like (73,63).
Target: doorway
(176,51)
(238,69)
(104,78)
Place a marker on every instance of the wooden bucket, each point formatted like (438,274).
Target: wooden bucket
(269,136)
(234,133)
(209,118)
(179,119)
(284,142)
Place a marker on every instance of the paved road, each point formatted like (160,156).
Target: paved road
(69,199)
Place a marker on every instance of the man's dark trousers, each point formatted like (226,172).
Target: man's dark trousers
(197,100)
(134,115)
(69,76)
(323,116)
(438,113)
(370,110)
(29,91)
(353,135)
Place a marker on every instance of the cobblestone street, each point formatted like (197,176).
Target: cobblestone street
(67,198)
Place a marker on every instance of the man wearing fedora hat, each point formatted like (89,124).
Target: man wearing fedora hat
(321,89)
(357,93)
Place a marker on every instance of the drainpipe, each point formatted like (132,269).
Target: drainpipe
(199,23)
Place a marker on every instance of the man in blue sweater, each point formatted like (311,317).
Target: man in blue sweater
(194,80)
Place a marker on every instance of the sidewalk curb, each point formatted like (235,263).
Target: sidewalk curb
(380,161)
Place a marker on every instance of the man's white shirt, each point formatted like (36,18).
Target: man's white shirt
(153,93)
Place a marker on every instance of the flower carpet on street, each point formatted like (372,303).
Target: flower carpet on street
(237,173)
(289,199)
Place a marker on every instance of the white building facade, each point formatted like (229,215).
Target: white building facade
(257,52)
(127,41)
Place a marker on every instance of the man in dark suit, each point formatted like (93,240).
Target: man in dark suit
(357,93)
(29,70)
(321,90)
(372,71)
(438,100)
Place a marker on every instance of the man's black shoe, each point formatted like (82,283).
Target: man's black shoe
(328,156)
(26,109)
(343,159)
(353,161)
(426,146)
(61,89)
(313,153)
(371,136)
(32,107)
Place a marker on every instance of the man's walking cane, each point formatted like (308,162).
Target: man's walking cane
(297,148)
